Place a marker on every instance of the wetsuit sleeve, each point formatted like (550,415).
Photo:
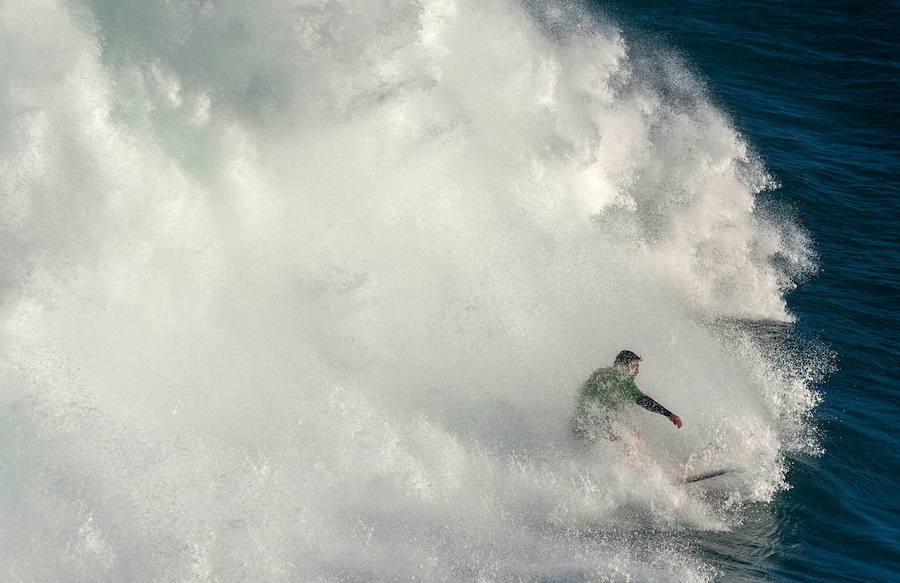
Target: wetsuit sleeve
(644,401)
(652,406)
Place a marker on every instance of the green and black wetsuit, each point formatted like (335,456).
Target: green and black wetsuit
(603,396)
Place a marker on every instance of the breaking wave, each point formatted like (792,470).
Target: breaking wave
(303,290)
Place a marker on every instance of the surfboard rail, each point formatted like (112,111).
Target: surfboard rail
(706,475)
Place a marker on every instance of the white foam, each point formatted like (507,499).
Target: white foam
(305,290)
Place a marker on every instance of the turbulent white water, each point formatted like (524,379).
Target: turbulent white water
(303,290)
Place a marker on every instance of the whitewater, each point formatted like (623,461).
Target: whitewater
(304,291)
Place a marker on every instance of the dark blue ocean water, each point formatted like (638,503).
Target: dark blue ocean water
(815,88)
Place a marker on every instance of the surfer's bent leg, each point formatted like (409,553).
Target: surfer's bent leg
(594,428)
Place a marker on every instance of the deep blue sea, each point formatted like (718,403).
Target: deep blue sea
(815,88)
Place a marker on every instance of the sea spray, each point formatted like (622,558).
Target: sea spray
(304,291)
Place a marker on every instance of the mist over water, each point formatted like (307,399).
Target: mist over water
(305,291)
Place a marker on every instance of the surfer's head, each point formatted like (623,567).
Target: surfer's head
(628,361)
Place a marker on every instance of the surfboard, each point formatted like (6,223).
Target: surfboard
(705,475)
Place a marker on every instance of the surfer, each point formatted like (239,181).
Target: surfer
(604,395)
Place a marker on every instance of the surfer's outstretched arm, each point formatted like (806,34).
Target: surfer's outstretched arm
(654,407)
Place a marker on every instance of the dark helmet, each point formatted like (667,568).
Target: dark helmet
(626,357)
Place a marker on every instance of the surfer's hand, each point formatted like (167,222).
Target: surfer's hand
(676,420)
